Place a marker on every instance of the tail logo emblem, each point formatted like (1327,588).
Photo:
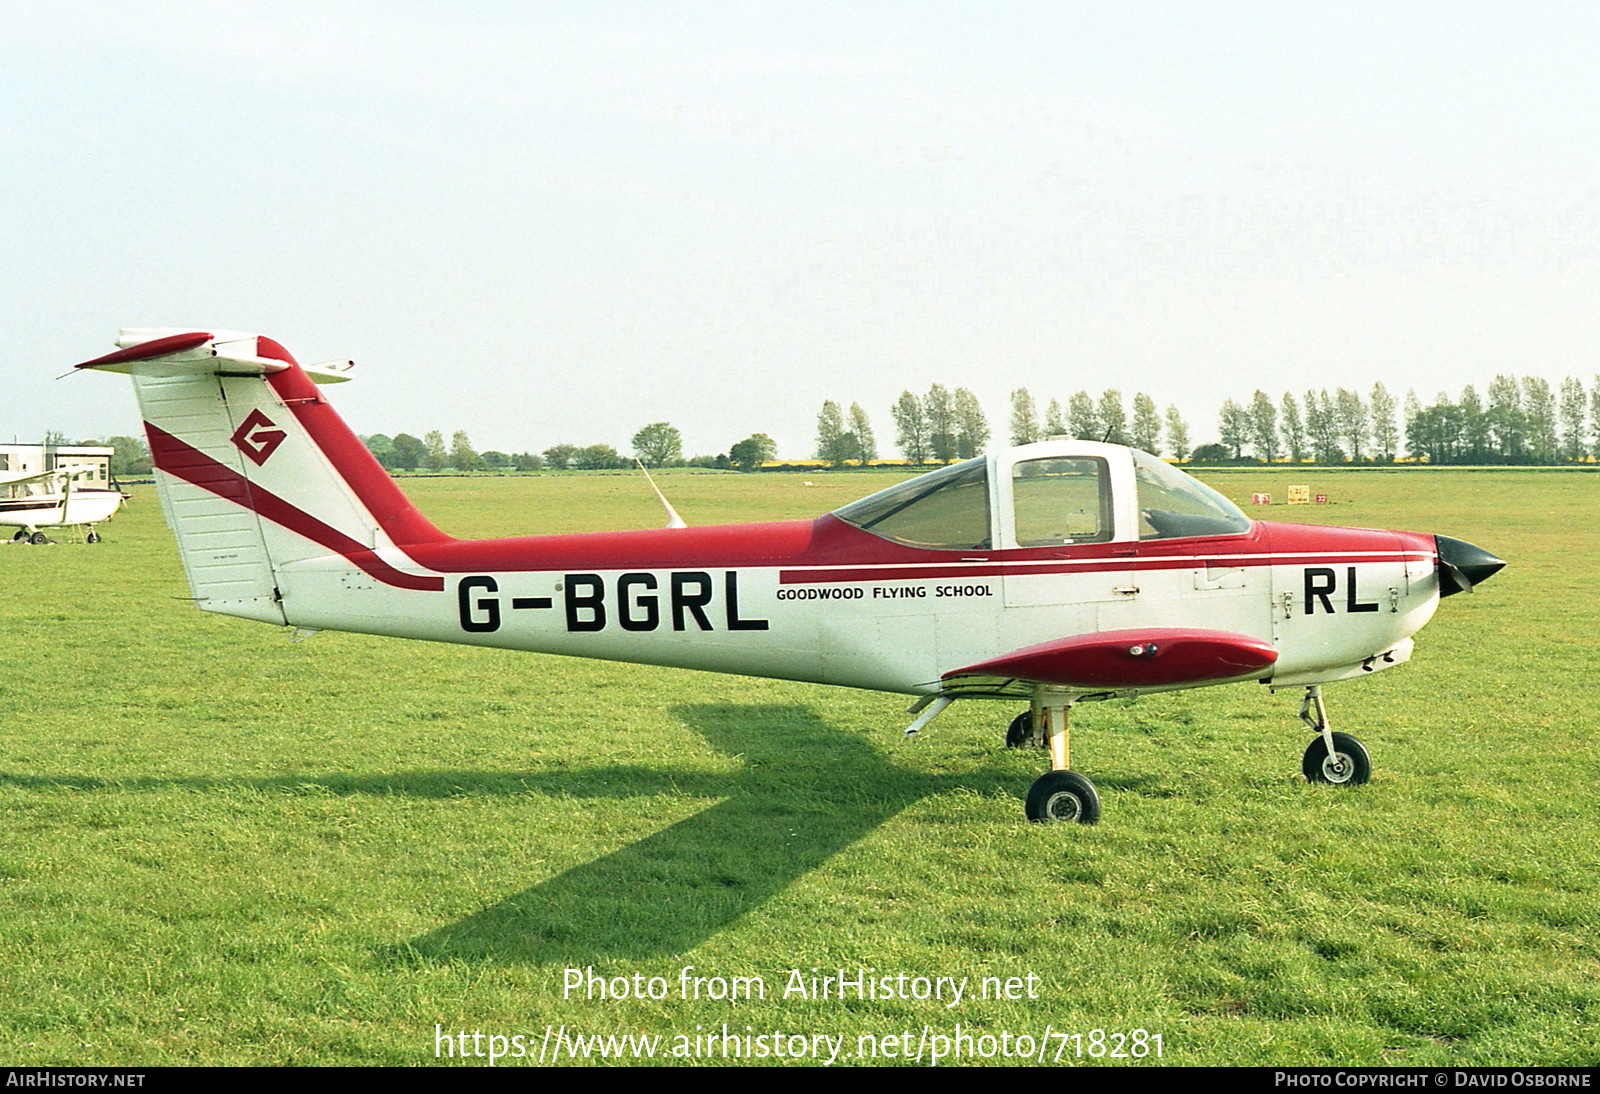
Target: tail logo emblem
(258,437)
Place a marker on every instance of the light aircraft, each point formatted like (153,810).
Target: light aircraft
(48,499)
(1055,573)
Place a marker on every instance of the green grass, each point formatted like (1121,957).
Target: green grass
(225,848)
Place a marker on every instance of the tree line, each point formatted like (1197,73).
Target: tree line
(1516,421)
(658,444)
(941,425)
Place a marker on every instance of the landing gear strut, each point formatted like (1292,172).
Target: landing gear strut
(1060,795)
(1334,758)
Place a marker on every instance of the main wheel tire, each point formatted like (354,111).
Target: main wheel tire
(38,539)
(20,535)
(1348,766)
(1063,797)
(1019,734)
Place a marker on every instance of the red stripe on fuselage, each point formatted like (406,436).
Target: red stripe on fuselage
(188,463)
(1004,567)
(1265,544)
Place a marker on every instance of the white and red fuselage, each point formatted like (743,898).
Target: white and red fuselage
(1062,568)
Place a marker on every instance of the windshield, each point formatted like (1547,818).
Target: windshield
(1172,504)
(947,509)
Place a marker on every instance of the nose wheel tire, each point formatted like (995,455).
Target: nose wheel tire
(1063,797)
(1348,766)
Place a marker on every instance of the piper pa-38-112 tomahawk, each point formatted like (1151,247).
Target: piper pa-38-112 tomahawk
(1053,573)
(48,499)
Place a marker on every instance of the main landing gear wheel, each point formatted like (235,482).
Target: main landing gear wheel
(1019,734)
(38,539)
(1348,766)
(20,535)
(1063,797)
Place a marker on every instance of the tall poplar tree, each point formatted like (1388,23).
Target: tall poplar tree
(1146,429)
(463,457)
(1055,424)
(1264,426)
(1082,421)
(1385,435)
(1573,412)
(1354,426)
(1111,421)
(1291,428)
(438,457)
(1539,404)
(971,427)
(939,409)
(1177,435)
(1024,417)
(1322,427)
(865,445)
(831,445)
(911,427)
(1233,428)
(1594,414)
(1508,425)
(1476,443)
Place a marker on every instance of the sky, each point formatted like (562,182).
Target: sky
(552,222)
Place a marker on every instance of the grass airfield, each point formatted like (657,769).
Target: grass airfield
(222,847)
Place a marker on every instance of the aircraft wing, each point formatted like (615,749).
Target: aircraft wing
(1146,657)
(43,476)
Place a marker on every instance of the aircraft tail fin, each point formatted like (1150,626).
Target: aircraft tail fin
(257,472)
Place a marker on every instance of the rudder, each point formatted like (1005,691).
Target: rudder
(256,472)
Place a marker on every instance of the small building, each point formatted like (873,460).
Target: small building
(27,459)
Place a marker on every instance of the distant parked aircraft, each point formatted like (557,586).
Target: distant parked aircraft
(49,499)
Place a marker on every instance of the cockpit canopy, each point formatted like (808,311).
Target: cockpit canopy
(1051,494)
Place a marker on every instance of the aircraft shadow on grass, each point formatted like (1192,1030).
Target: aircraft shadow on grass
(806,792)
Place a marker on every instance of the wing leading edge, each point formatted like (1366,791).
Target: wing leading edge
(1150,657)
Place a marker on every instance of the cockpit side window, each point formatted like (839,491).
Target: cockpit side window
(1171,504)
(1061,500)
(946,509)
